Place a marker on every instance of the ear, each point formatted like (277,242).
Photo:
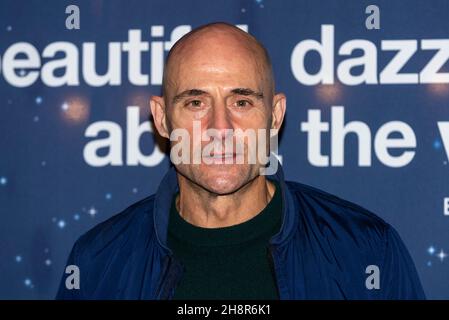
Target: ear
(278,110)
(157,105)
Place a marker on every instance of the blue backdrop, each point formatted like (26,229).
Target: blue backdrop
(76,148)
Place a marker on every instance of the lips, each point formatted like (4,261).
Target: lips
(221,158)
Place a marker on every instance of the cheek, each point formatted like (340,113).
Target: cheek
(183,118)
(255,119)
(201,115)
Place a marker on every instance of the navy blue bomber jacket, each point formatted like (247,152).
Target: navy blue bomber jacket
(322,251)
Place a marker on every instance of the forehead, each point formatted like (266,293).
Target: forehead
(215,62)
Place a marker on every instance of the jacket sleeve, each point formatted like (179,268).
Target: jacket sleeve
(63,292)
(399,277)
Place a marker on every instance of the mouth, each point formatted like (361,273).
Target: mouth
(220,158)
(221,155)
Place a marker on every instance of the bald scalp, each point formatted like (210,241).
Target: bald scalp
(208,34)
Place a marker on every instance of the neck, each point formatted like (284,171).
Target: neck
(204,209)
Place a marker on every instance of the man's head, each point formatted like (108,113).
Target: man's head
(219,77)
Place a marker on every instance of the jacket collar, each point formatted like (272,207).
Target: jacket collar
(169,187)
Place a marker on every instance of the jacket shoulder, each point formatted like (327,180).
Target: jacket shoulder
(334,218)
(117,229)
(102,253)
(328,204)
(348,238)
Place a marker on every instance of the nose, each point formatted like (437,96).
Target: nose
(220,120)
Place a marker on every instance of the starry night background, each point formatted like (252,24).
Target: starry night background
(49,195)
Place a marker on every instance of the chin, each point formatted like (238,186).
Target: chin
(221,186)
(220,179)
(224,179)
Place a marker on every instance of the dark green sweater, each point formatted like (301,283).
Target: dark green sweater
(226,263)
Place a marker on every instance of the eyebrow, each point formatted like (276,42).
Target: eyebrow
(247,92)
(188,93)
(198,92)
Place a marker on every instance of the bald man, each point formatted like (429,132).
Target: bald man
(220,226)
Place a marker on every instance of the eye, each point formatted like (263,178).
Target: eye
(242,103)
(194,103)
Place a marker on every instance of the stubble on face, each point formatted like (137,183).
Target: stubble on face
(207,66)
